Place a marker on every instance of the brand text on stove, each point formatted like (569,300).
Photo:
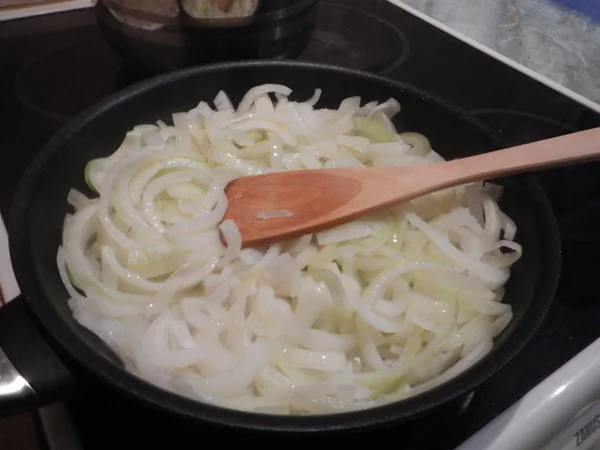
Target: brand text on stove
(587,430)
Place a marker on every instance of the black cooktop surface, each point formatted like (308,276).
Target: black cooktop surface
(55,66)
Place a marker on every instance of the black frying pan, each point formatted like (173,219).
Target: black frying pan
(44,345)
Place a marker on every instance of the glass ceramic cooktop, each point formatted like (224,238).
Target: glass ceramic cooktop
(55,66)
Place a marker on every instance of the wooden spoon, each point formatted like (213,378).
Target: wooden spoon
(323,198)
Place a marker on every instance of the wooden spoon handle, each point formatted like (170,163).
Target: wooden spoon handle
(323,198)
(573,148)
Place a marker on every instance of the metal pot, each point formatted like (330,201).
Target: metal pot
(161,35)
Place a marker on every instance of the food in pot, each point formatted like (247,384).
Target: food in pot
(219,9)
(165,8)
(363,314)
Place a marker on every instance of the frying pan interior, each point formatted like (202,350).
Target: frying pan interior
(40,207)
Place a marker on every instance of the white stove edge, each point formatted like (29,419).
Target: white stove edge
(560,413)
(500,57)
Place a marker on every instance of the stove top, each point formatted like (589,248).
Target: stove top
(55,66)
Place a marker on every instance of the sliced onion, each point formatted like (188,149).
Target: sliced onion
(369,312)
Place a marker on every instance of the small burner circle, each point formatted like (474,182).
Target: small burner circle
(351,37)
(61,82)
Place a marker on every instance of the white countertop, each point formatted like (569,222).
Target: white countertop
(553,41)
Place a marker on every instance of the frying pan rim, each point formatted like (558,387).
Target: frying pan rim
(155,396)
